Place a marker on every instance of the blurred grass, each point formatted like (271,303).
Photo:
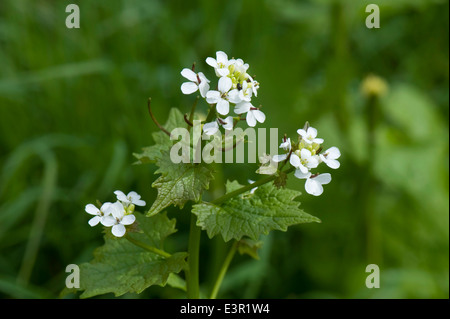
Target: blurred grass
(73,109)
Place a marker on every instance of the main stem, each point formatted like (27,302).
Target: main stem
(223,270)
(192,273)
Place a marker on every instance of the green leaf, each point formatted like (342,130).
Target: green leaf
(249,247)
(120,266)
(149,154)
(179,183)
(268,208)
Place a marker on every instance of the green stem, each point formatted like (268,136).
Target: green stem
(223,270)
(152,249)
(191,115)
(192,273)
(248,187)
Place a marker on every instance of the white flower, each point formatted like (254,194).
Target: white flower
(198,82)
(254,85)
(310,135)
(245,94)
(220,64)
(223,96)
(118,219)
(330,157)
(100,214)
(131,198)
(313,184)
(286,145)
(253,116)
(210,128)
(305,161)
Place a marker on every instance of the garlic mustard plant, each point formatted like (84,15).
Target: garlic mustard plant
(133,256)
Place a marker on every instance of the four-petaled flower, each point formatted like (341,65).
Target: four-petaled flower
(100,214)
(118,219)
(223,96)
(220,63)
(303,160)
(330,157)
(313,184)
(254,115)
(132,198)
(310,136)
(197,82)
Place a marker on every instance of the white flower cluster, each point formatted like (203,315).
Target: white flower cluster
(306,155)
(116,215)
(235,87)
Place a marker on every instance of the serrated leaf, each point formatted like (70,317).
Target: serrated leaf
(251,215)
(120,266)
(179,183)
(150,154)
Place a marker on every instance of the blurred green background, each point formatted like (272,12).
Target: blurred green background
(73,110)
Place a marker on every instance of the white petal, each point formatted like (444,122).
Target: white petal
(242,107)
(222,57)
(225,84)
(303,168)
(105,208)
(323,178)
(295,160)
(260,116)
(121,195)
(128,220)
(332,163)
(251,120)
(318,140)
(94,221)
(301,132)
(286,145)
(118,230)
(313,162)
(313,187)
(139,202)
(117,210)
(91,209)
(233,96)
(312,132)
(203,88)
(229,123)
(108,221)
(133,195)
(213,97)
(223,107)
(188,87)
(305,153)
(222,72)
(299,174)
(279,158)
(212,62)
(333,153)
(210,128)
(189,74)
